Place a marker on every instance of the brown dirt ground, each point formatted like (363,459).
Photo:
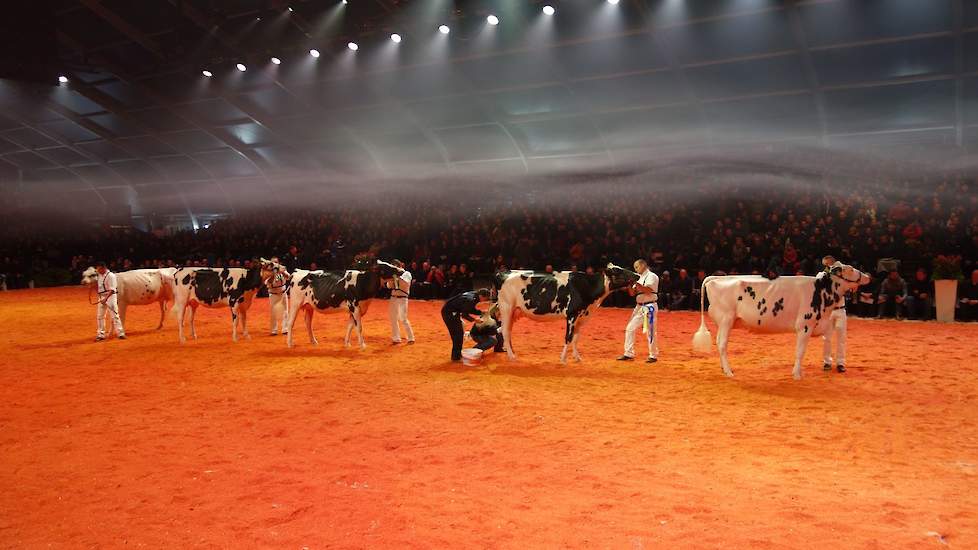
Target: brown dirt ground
(147,443)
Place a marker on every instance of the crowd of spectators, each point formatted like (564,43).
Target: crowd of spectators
(686,228)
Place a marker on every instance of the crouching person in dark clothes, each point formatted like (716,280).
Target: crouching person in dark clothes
(486,332)
(462,306)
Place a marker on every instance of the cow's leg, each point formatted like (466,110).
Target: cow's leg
(291,324)
(568,337)
(312,337)
(162,314)
(506,317)
(358,322)
(181,310)
(193,325)
(723,334)
(122,314)
(800,345)
(234,323)
(577,333)
(243,311)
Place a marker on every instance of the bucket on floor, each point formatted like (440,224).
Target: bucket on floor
(471,357)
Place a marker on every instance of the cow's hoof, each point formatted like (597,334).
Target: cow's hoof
(728,373)
(796,376)
(578,358)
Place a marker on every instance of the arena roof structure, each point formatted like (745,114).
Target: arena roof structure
(589,84)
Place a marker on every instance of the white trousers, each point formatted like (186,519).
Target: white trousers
(836,328)
(397,311)
(635,323)
(110,306)
(279,315)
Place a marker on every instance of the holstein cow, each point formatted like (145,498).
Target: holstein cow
(787,304)
(233,287)
(139,287)
(570,295)
(327,292)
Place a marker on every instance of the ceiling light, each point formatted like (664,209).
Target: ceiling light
(276,61)
(492,20)
(207,73)
(314,52)
(613,2)
(549,10)
(396,38)
(443,29)
(353,46)
(63,79)
(241,67)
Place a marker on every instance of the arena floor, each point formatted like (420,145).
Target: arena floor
(145,443)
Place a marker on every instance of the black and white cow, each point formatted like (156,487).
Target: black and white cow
(327,292)
(233,287)
(570,295)
(801,305)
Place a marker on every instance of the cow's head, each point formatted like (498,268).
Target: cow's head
(89,276)
(617,278)
(849,277)
(387,270)
(269,268)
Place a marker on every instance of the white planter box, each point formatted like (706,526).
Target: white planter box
(945,296)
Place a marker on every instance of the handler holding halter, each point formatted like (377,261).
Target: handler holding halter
(646,291)
(108,300)
(278,300)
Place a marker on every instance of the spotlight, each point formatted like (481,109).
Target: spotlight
(276,61)
(396,38)
(241,67)
(207,73)
(613,2)
(444,29)
(290,8)
(492,20)
(314,52)
(63,79)
(549,10)
(353,46)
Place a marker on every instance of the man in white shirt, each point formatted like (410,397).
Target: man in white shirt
(278,300)
(646,291)
(108,301)
(837,330)
(397,310)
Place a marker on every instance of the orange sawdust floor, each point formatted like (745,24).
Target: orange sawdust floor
(149,444)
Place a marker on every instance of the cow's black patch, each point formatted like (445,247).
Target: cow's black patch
(778,306)
(750,290)
(207,286)
(740,298)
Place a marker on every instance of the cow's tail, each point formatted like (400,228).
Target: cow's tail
(702,339)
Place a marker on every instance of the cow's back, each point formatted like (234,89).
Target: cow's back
(141,286)
(760,304)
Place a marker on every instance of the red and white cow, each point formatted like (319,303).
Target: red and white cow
(233,287)
(139,287)
(567,295)
(801,305)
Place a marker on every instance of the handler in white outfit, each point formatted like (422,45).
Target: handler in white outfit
(837,330)
(278,301)
(108,302)
(645,312)
(397,310)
